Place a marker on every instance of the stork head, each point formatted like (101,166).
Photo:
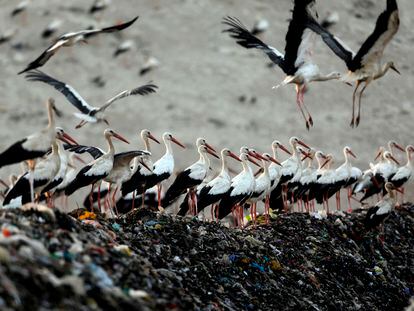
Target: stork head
(277,144)
(267,157)
(169,137)
(391,65)
(146,134)
(294,141)
(202,142)
(228,153)
(348,151)
(66,138)
(111,133)
(394,144)
(388,155)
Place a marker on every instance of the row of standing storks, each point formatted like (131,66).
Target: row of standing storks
(279,184)
(55,171)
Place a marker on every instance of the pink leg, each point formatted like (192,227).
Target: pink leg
(91,198)
(133,199)
(159,194)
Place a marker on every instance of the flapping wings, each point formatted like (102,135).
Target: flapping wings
(247,40)
(89,33)
(124,158)
(142,90)
(69,92)
(386,27)
(79,149)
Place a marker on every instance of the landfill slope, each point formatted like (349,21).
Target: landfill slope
(144,261)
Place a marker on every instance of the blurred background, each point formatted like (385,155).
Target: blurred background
(208,85)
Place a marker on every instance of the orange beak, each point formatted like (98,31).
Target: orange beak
(150,136)
(256,155)
(177,142)
(234,156)
(399,190)
(121,138)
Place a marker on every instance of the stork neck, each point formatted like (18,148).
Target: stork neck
(383,71)
(147,144)
(224,165)
(275,155)
(111,149)
(55,148)
(50,116)
(168,147)
(266,168)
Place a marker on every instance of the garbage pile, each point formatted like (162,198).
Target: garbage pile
(146,261)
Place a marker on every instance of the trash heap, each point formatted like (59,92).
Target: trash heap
(145,261)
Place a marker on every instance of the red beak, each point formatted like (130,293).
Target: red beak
(352,154)
(271,159)
(145,165)
(253,161)
(210,147)
(285,149)
(234,156)
(256,155)
(212,153)
(68,139)
(399,147)
(378,155)
(150,136)
(3,183)
(177,142)
(399,190)
(303,144)
(395,160)
(326,162)
(120,138)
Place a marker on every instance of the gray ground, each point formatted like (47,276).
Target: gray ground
(202,75)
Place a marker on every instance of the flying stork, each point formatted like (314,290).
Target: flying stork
(296,63)
(87,113)
(366,65)
(70,39)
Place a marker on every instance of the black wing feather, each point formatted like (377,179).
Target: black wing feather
(79,149)
(118,27)
(65,89)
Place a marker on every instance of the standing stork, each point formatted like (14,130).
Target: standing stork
(366,65)
(377,214)
(296,63)
(70,39)
(405,172)
(163,168)
(35,145)
(214,190)
(190,178)
(98,169)
(382,172)
(241,188)
(140,172)
(88,113)
(262,187)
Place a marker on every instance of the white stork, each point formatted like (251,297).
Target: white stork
(382,172)
(274,169)
(88,113)
(241,188)
(190,178)
(378,213)
(262,187)
(296,63)
(70,39)
(164,167)
(345,176)
(366,65)
(139,172)
(214,190)
(326,180)
(404,173)
(98,169)
(43,174)
(33,146)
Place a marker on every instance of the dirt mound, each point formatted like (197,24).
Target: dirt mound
(144,261)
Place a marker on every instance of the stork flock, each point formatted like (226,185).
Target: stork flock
(50,169)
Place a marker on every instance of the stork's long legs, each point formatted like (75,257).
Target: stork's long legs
(358,118)
(300,104)
(31,164)
(302,93)
(353,103)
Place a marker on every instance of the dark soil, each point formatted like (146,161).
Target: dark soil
(144,261)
